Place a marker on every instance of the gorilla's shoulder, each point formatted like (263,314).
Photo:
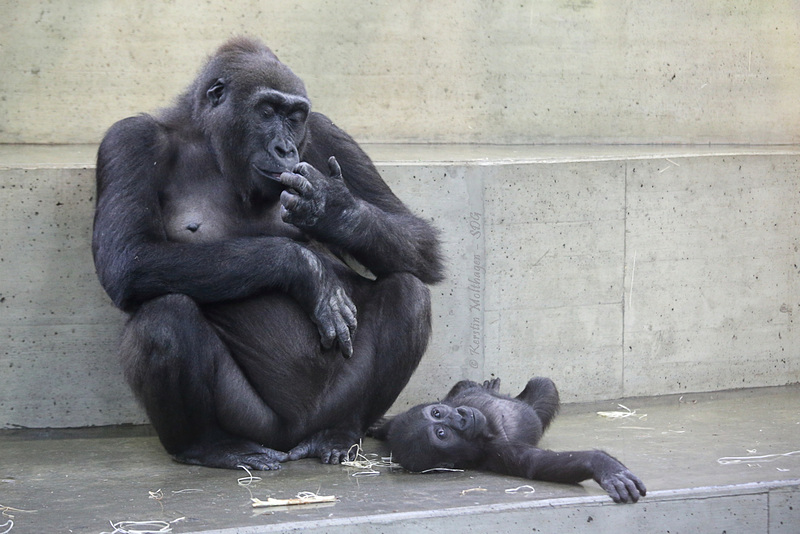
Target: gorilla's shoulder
(135,134)
(138,125)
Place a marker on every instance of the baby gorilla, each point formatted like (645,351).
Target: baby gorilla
(475,426)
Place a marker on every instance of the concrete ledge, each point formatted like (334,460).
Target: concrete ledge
(615,270)
(33,156)
(742,509)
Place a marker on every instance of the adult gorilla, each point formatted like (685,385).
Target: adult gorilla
(222,227)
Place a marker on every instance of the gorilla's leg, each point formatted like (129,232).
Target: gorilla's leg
(542,395)
(194,394)
(394,325)
(401,333)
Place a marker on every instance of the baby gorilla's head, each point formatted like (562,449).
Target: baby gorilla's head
(438,435)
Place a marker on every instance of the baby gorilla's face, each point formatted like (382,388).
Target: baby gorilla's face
(444,423)
(438,435)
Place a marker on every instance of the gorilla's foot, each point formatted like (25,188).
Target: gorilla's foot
(230,454)
(330,446)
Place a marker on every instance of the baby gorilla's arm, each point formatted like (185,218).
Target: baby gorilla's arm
(566,467)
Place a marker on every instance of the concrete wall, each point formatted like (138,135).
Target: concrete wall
(612,271)
(628,71)
(616,271)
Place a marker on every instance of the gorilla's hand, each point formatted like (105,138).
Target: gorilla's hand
(335,317)
(621,484)
(321,206)
(328,305)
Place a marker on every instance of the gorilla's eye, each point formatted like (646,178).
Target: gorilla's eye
(436,413)
(441,433)
(268,111)
(297,117)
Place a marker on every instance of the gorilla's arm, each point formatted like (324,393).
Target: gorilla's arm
(135,262)
(355,210)
(518,459)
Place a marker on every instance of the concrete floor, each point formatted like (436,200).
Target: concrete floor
(81,480)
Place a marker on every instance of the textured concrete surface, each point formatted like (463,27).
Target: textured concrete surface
(632,71)
(616,271)
(79,481)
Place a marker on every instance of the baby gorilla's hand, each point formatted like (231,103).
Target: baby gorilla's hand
(617,480)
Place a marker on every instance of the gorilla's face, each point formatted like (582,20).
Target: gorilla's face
(438,435)
(255,117)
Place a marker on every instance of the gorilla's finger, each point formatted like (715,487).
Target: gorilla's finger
(303,450)
(345,341)
(335,169)
(297,182)
(288,200)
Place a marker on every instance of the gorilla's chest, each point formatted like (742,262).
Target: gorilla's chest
(514,421)
(207,214)
(196,218)
(200,204)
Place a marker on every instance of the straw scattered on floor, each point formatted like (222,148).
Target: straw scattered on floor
(368,464)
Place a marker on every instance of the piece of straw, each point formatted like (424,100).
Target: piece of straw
(727,460)
(621,415)
(143,527)
(471,490)
(304,497)
(527,488)
(249,479)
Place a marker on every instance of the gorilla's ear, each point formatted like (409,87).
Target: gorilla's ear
(217,93)
(380,430)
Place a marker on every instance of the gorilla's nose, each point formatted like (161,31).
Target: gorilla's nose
(284,152)
(463,419)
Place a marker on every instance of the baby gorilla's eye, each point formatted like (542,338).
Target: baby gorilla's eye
(436,413)
(441,433)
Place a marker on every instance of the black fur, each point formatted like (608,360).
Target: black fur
(221,227)
(475,426)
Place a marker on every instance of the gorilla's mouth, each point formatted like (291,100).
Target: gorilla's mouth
(272,175)
(478,421)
